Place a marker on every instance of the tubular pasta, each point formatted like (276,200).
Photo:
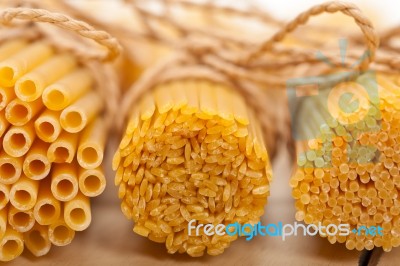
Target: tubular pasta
(77,214)
(47,126)
(36,165)
(18,140)
(23,193)
(37,240)
(64,181)
(91,145)
(76,116)
(59,95)
(92,182)
(31,86)
(22,62)
(63,149)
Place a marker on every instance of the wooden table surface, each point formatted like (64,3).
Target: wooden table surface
(110,240)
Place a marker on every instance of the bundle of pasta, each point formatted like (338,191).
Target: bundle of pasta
(349,174)
(52,135)
(192,150)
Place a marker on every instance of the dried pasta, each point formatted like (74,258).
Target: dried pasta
(191,150)
(348,173)
(50,163)
(11,245)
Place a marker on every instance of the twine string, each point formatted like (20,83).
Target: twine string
(370,35)
(94,60)
(65,22)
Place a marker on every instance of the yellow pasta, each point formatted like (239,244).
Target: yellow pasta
(31,86)
(10,168)
(22,62)
(92,182)
(47,209)
(76,116)
(40,172)
(60,234)
(23,193)
(11,47)
(4,124)
(48,126)
(66,91)
(37,240)
(191,150)
(18,140)
(91,145)
(21,221)
(19,112)
(64,181)
(6,96)
(36,164)
(4,195)
(63,149)
(11,245)
(3,222)
(348,174)
(77,213)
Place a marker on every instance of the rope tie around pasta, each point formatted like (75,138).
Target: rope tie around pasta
(54,120)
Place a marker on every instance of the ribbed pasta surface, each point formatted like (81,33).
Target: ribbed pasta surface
(349,174)
(192,150)
(52,146)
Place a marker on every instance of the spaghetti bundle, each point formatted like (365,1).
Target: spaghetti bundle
(192,149)
(53,134)
(348,173)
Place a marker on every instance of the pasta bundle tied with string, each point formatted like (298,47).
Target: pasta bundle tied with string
(52,134)
(192,149)
(349,173)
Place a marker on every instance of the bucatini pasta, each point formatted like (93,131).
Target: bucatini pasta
(47,126)
(3,222)
(19,64)
(92,181)
(36,164)
(23,193)
(10,168)
(63,149)
(4,195)
(3,124)
(66,91)
(19,112)
(64,181)
(60,234)
(90,151)
(50,163)
(21,221)
(37,240)
(76,116)
(77,214)
(349,172)
(31,86)
(11,245)
(191,150)
(47,209)
(6,96)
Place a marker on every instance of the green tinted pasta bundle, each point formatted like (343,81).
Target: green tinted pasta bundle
(349,174)
(191,150)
